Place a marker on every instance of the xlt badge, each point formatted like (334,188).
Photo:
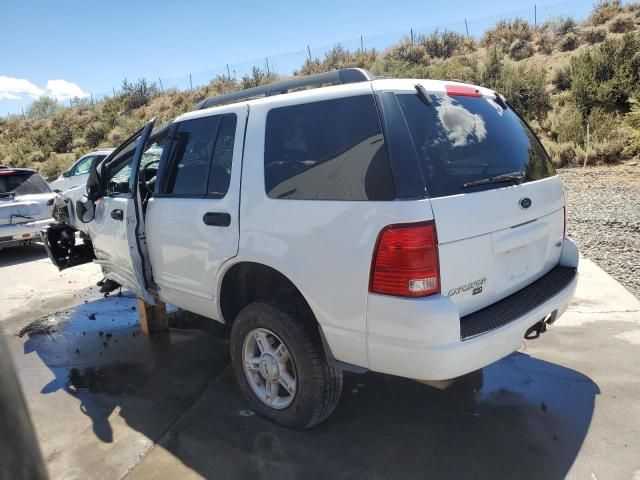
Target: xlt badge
(476,286)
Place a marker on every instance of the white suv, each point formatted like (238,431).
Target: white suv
(410,227)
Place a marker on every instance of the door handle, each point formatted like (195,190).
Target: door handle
(217,219)
(117,214)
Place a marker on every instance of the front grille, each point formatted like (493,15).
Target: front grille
(518,304)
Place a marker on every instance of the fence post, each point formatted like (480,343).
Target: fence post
(228,72)
(535,15)
(267,62)
(309,52)
(361,43)
(93,107)
(190,82)
(586,151)
(466,27)
(161,86)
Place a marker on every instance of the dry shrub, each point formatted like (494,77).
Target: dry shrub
(594,34)
(621,23)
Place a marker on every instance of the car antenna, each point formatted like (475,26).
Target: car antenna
(424,96)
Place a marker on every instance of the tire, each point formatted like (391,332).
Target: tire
(317,385)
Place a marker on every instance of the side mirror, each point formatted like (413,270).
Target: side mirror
(66,174)
(85,209)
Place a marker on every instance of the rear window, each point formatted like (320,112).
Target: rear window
(327,150)
(21,183)
(464,139)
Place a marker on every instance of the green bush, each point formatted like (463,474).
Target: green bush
(55,165)
(604,11)
(506,32)
(43,107)
(524,87)
(135,95)
(560,76)
(566,124)
(568,42)
(594,34)
(559,26)
(95,133)
(632,124)
(62,133)
(458,68)
(607,75)
(519,50)
(407,52)
(546,43)
(565,154)
(444,44)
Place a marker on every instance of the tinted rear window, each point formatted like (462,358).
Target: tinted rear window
(464,139)
(22,183)
(328,150)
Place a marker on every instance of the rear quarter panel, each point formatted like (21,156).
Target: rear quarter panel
(324,247)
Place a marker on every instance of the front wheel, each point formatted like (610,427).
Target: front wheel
(280,365)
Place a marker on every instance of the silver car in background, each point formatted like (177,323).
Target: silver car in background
(78,173)
(26,206)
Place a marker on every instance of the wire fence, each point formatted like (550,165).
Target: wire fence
(287,64)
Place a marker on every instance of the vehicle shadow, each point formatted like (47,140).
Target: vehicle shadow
(22,254)
(521,417)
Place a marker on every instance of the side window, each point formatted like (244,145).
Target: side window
(328,150)
(121,174)
(200,158)
(220,173)
(83,165)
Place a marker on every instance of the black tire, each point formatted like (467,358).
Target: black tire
(318,384)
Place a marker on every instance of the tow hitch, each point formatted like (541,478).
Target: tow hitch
(539,328)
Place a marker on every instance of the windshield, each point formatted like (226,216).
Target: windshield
(461,140)
(22,183)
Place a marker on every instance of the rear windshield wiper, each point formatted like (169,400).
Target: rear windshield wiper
(513,177)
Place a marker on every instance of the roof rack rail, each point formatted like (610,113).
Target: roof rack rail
(342,76)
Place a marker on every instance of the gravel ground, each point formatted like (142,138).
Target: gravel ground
(604,218)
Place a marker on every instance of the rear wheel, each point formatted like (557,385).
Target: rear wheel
(280,365)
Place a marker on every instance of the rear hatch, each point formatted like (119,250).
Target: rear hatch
(497,203)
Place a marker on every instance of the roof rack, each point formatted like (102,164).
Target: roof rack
(342,76)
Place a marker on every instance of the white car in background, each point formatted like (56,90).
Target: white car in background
(78,173)
(26,206)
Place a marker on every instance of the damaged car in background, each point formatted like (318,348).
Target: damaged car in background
(26,205)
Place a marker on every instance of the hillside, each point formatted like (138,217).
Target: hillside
(561,75)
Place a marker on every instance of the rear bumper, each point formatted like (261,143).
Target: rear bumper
(20,233)
(422,338)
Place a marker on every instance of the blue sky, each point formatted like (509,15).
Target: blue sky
(68,48)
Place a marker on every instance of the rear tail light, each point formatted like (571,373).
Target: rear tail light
(405,261)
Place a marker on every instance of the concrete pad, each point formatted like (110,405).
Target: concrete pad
(564,406)
(167,406)
(31,286)
(100,392)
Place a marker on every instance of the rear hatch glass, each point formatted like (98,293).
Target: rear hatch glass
(460,140)
(489,244)
(21,183)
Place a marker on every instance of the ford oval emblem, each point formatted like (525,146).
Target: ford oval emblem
(525,203)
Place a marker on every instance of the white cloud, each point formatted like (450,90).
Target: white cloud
(63,90)
(15,88)
(12,88)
